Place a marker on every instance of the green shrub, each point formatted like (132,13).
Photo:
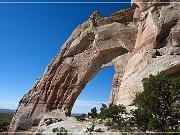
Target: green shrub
(115,116)
(54,130)
(159,104)
(158,108)
(108,122)
(103,111)
(60,131)
(3,126)
(93,113)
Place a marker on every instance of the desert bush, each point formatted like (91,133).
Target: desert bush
(60,131)
(158,106)
(3,126)
(115,116)
(93,113)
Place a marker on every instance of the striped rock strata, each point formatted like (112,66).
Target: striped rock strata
(97,43)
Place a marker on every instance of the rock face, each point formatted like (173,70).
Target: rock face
(73,127)
(157,46)
(97,43)
(135,51)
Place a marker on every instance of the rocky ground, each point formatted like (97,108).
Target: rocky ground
(70,126)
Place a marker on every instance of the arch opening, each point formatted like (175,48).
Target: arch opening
(96,92)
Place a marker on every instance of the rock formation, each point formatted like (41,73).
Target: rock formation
(157,46)
(136,50)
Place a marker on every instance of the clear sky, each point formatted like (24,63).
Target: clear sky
(31,35)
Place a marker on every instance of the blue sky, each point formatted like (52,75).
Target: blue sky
(31,35)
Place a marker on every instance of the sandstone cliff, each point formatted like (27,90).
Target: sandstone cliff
(136,50)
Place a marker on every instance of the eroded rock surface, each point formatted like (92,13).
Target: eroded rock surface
(135,51)
(73,127)
(157,46)
(97,43)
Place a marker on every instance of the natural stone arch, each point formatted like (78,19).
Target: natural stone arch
(78,69)
(77,79)
(89,49)
(101,63)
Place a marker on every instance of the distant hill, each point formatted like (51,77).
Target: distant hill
(6,116)
(75,114)
(7,111)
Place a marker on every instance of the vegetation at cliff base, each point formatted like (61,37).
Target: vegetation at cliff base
(5,119)
(93,113)
(115,116)
(80,117)
(60,131)
(159,104)
(157,108)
